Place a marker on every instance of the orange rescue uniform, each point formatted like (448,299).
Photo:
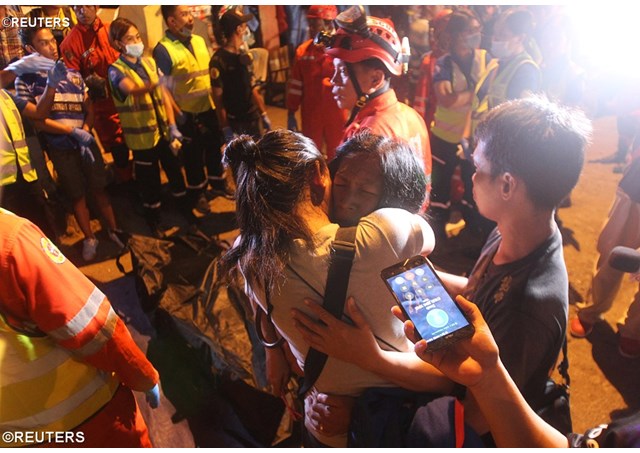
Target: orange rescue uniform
(41,291)
(309,86)
(87,50)
(384,115)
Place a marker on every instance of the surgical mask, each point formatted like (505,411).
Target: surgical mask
(500,49)
(186,32)
(473,41)
(135,50)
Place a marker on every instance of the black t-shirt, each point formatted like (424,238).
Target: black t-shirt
(630,182)
(525,303)
(233,73)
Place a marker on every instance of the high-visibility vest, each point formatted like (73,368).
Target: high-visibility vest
(450,123)
(14,152)
(498,85)
(44,388)
(192,90)
(138,115)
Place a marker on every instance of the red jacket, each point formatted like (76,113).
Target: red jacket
(41,289)
(385,116)
(309,87)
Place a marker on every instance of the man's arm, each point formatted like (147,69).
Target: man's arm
(475,363)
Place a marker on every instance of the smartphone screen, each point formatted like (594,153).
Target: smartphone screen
(425,301)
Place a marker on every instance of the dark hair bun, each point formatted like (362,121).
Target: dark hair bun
(242,149)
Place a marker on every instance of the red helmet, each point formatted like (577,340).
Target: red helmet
(326,12)
(379,41)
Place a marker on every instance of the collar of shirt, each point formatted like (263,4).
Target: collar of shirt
(133,66)
(382,102)
(95,26)
(185,42)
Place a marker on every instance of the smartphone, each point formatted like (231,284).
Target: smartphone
(420,293)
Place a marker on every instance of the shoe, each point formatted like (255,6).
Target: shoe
(580,329)
(202,205)
(629,348)
(89,249)
(115,238)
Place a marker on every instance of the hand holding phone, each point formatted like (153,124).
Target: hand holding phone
(424,300)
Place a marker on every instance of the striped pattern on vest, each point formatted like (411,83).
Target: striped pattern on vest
(43,387)
(14,152)
(192,90)
(138,116)
(450,123)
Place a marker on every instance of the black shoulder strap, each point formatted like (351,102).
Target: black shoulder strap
(343,249)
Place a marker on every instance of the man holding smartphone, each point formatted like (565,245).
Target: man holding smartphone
(528,157)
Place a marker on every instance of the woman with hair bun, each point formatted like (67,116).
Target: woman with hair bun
(283,203)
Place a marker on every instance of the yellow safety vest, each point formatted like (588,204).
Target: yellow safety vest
(450,123)
(14,152)
(192,90)
(498,86)
(138,115)
(44,388)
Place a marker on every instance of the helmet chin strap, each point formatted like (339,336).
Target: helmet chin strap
(362,98)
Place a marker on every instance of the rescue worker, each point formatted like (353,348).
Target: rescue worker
(366,52)
(309,86)
(239,104)
(513,73)
(454,81)
(87,50)
(185,57)
(68,361)
(149,127)
(20,189)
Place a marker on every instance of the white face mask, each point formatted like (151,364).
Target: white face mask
(135,50)
(500,49)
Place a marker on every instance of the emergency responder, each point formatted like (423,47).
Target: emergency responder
(366,52)
(185,57)
(86,49)
(454,82)
(149,127)
(239,104)
(309,86)
(68,361)
(20,189)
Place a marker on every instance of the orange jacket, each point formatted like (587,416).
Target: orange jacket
(309,87)
(41,290)
(385,115)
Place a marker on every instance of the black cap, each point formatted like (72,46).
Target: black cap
(231,16)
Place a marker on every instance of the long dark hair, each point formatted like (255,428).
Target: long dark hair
(404,183)
(272,176)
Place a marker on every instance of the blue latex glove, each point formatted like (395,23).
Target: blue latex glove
(86,154)
(174,133)
(153,396)
(292,123)
(56,74)
(228,134)
(266,122)
(31,64)
(83,137)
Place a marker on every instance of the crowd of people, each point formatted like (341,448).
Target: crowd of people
(392,107)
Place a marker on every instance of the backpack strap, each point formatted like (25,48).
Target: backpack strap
(343,250)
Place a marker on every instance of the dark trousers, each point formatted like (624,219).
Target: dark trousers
(251,127)
(445,160)
(201,148)
(148,173)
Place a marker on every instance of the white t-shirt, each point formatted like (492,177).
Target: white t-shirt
(383,238)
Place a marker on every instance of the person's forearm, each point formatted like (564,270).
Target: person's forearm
(406,370)
(258,100)
(89,117)
(52,127)
(167,99)
(220,110)
(454,284)
(511,420)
